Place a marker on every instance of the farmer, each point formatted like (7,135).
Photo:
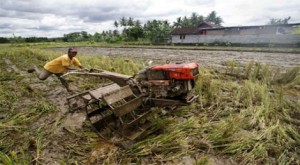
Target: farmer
(58,67)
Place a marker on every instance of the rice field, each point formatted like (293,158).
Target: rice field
(246,114)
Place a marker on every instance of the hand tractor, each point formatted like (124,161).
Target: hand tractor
(119,110)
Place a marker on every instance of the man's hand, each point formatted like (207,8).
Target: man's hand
(83,68)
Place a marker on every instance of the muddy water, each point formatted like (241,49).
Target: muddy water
(205,58)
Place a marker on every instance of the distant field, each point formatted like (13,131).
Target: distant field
(207,58)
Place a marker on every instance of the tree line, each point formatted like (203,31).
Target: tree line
(127,29)
(130,29)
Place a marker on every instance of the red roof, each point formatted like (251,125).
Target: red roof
(208,25)
(189,30)
(194,30)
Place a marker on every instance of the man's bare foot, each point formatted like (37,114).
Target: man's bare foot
(31,70)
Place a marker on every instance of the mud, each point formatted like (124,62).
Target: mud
(12,67)
(205,58)
(55,123)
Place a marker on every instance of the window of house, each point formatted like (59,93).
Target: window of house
(182,36)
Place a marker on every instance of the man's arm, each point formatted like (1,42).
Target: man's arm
(72,68)
(77,63)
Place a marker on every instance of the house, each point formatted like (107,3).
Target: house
(191,34)
(262,34)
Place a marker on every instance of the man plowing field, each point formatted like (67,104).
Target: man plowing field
(58,67)
(119,110)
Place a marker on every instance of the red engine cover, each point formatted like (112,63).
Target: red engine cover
(183,71)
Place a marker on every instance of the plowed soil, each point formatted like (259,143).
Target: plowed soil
(205,58)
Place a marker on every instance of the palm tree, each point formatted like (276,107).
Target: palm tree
(212,17)
(178,23)
(137,23)
(194,19)
(116,24)
(123,21)
(130,21)
(186,22)
(274,21)
(166,23)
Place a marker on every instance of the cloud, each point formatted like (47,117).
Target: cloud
(4,25)
(256,12)
(54,18)
(199,3)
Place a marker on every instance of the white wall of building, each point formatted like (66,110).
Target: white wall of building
(243,39)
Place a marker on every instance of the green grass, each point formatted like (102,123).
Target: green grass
(246,114)
(150,46)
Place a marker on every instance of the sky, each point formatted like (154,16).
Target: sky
(53,18)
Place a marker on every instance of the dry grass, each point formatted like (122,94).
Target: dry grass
(246,115)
